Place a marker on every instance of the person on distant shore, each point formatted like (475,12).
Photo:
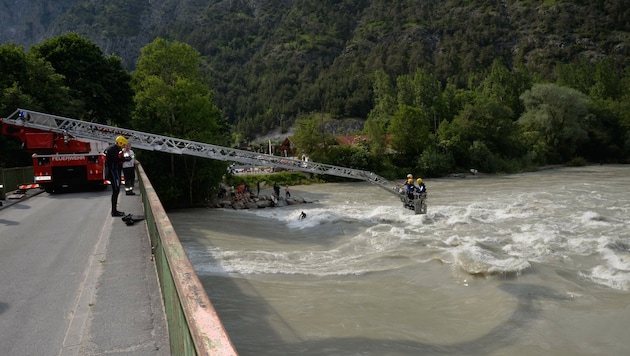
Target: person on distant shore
(240,190)
(276,190)
(287,193)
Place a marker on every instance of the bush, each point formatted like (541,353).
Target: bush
(577,162)
(482,159)
(282,178)
(436,164)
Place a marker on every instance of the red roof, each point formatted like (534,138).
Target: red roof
(351,140)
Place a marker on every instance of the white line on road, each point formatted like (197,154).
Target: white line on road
(81,311)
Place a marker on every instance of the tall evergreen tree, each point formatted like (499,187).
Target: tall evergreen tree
(378,120)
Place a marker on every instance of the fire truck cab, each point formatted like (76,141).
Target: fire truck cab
(59,160)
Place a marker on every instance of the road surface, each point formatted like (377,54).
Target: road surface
(76,281)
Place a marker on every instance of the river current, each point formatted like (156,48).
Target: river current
(525,264)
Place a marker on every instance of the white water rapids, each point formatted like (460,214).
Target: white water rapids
(525,264)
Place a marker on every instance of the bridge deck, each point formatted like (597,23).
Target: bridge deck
(77,281)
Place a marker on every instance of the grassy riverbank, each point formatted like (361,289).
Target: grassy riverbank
(282,178)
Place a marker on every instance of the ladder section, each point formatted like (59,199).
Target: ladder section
(152,142)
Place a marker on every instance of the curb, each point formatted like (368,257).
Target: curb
(14,198)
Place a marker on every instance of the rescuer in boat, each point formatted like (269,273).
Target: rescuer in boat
(114,159)
(409,186)
(421,188)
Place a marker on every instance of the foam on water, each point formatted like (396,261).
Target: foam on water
(359,256)
(522,264)
(502,234)
(615,268)
(476,260)
(595,219)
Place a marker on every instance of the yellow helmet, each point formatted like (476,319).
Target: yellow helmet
(419,180)
(121,141)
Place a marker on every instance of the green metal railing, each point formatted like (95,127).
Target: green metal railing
(194,327)
(10,178)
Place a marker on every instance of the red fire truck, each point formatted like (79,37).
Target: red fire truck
(59,160)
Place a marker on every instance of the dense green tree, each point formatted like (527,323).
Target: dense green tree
(607,136)
(419,90)
(411,134)
(14,66)
(273,61)
(506,86)
(555,120)
(355,156)
(611,125)
(433,163)
(452,100)
(607,81)
(173,99)
(378,120)
(600,79)
(31,83)
(623,108)
(99,85)
(578,75)
(484,128)
(310,136)
(307,135)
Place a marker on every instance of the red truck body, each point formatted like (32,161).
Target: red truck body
(60,161)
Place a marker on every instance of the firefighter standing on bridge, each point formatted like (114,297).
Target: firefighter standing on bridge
(114,159)
(129,170)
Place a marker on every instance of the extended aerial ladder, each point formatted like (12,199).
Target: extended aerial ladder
(153,142)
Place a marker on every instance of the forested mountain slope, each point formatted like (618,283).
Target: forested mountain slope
(271,60)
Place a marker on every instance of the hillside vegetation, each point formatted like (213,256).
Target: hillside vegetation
(434,87)
(272,60)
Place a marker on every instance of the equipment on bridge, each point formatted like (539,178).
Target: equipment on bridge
(130,219)
(75,133)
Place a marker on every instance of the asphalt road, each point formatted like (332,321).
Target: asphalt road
(53,260)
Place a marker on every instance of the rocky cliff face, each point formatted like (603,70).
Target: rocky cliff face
(274,58)
(122,27)
(29,22)
(119,27)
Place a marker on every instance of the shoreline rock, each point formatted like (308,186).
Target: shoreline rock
(256,202)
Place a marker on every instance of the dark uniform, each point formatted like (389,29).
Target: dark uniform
(114,160)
